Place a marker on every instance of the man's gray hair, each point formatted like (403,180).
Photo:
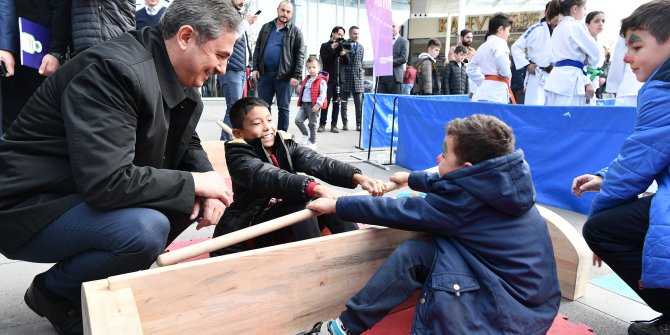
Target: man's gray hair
(207,17)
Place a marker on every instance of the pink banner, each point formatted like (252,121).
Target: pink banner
(380,21)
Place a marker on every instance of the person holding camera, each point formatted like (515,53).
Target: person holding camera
(334,56)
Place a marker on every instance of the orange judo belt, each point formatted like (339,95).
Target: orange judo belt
(505,80)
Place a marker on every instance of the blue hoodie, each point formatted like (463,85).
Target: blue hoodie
(491,241)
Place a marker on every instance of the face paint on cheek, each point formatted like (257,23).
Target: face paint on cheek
(444,147)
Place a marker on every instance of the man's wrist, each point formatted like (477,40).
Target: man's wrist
(60,57)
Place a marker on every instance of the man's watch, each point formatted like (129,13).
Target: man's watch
(60,57)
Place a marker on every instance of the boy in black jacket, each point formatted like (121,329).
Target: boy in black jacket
(454,78)
(263,163)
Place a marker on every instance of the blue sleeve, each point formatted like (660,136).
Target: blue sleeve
(8,26)
(644,154)
(421,181)
(409,213)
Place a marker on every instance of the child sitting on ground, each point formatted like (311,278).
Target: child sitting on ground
(312,100)
(489,268)
(454,79)
(263,164)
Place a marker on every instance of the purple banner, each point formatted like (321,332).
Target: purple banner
(35,41)
(380,21)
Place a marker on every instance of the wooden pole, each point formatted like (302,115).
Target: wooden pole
(176,256)
(225,127)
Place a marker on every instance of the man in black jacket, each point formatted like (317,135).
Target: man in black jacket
(334,58)
(278,59)
(103,168)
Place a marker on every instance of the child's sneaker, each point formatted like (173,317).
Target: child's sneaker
(305,141)
(311,145)
(329,327)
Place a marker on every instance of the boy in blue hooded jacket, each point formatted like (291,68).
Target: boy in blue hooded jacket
(631,234)
(489,268)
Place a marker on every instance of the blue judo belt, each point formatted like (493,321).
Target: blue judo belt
(570,62)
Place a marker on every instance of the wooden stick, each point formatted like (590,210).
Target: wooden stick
(225,127)
(176,256)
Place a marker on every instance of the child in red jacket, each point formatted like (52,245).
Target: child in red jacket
(311,101)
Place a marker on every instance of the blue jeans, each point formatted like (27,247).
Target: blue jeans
(89,244)
(268,86)
(404,272)
(233,87)
(406,89)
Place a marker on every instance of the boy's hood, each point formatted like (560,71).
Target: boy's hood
(503,183)
(425,55)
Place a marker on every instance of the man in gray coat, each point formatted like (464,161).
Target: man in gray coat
(392,84)
(352,85)
(103,168)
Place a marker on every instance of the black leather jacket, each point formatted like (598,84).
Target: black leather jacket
(292,56)
(256,180)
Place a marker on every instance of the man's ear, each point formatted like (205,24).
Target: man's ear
(466,164)
(185,36)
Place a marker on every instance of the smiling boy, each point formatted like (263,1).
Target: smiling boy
(263,164)
(631,234)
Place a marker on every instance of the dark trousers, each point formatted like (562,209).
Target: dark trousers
(358,103)
(268,87)
(335,106)
(388,85)
(16,91)
(617,236)
(404,272)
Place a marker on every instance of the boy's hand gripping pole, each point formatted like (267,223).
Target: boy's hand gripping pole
(176,256)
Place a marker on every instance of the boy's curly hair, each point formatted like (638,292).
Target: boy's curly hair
(480,137)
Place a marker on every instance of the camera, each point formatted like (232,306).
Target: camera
(342,44)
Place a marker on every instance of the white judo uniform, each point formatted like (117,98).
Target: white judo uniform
(492,58)
(621,79)
(534,46)
(565,85)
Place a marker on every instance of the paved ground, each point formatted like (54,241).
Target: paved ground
(607,312)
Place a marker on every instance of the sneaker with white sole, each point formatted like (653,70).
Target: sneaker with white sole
(658,326)
(311,146)
(305,141)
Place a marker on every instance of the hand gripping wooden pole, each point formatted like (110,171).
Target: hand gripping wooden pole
(176,256)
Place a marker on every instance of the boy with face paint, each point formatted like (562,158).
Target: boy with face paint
(632,234)
(489,264)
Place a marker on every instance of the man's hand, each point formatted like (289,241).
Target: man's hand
(343,52)
(586,183)
(376,187)
(334,45)
(212,210)
(323,205)
(531,68)
(251,18)
(590,91)
(315,108)
(49,65)
(211,185)
(321,191)
(294,82)
(400,178)
(255,75)
(8,58)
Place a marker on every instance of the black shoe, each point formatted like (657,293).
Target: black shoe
(658,326)
(345,127)
(63,315)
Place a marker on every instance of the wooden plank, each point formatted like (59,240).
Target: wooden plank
(572,254)
(278,290)
(109,311)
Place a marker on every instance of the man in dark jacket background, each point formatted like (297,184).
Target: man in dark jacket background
(278,59)
(95,21)
(150,14)
(103,168)
(334,59)
(51,14)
